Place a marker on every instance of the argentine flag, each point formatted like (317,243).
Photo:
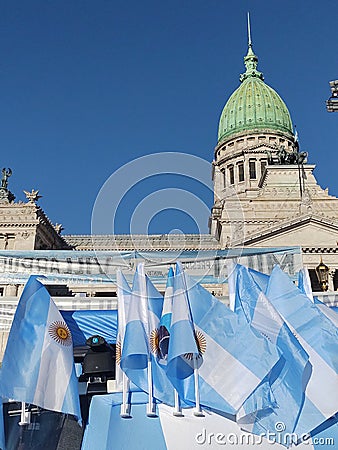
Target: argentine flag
(38,365)
(287,380)
(234,358)
(165,323)
(183,347)
(319,337)
(135,348)
(141,339)
(123,300)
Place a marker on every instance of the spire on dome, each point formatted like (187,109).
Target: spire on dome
(250,60)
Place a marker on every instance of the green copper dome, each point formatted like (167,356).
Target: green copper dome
(254,105)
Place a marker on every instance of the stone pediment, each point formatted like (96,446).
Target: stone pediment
(306,231)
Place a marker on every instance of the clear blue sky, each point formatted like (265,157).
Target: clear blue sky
(86,86)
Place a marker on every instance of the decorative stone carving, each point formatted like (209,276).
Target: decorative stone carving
(58,228)
(33,196)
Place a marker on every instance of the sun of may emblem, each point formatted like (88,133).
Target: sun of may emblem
(201,345)
(60,332)
(154,342)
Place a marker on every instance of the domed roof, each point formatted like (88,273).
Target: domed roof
(254,105)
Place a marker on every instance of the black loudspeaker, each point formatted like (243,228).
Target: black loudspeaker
(99,360)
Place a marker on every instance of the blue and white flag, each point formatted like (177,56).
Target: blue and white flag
(235,359)
(141,343)
(38,365)
(165,323)
(183,347)
(287,380)
(135,349)
(123,300)
(319,337)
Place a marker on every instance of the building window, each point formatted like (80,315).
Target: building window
(252,169)
(241,171)
(231,175)
(224,178)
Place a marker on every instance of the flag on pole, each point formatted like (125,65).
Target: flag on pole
(165,323)
(234,358)
(318,336)
(140,349)
(135,349)
(287,380)
(183,346)
(123,300)
(38,365)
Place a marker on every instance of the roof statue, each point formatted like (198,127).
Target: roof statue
(6,173)
(284,157)
(33,196)
(6,196)
(58,228)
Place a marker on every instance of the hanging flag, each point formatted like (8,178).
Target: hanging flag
(287,380)
(319,337)
(38,365)
(123,300)
(234,358)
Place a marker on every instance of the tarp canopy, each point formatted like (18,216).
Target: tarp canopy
(92,267)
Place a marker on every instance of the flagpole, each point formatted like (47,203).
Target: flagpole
(198,412)
(125,407)
(151,407)
(177,409)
